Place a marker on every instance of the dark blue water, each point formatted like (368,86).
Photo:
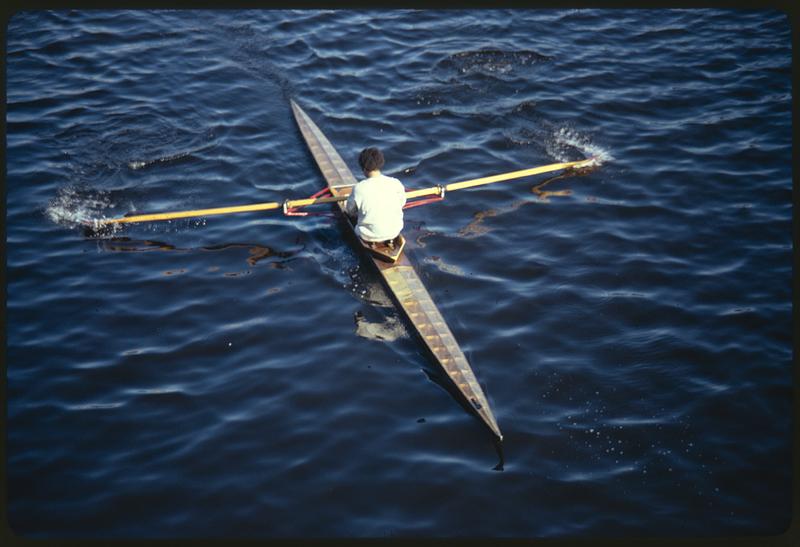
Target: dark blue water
(209,377)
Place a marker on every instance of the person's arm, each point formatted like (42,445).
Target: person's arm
(350,206)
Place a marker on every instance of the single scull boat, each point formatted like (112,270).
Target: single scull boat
(401,280)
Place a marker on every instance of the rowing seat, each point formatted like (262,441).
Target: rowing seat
(388,251)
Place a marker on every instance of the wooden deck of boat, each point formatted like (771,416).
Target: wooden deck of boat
(402,281)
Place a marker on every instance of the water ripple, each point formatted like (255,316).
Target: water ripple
(631,324)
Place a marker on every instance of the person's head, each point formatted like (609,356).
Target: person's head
(370,159)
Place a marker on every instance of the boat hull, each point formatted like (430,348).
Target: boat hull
(402,282)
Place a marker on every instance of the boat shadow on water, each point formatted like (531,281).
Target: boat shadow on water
(379,322)
(390,322)
(446,384)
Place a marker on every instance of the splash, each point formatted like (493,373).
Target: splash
(86,208)
(565,141)
(74,206)
(493,61)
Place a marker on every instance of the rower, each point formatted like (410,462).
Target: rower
(376,201)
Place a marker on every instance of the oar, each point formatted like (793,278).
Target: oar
(217,211)
(502,177)
(289,204)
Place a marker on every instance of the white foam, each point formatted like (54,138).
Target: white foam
(566,139)
(74,207)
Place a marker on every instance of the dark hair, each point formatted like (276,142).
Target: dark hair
(370,159)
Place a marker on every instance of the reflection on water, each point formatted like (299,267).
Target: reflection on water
(256,252)
(444,266)
(570,173)
(477,227)
(386,329)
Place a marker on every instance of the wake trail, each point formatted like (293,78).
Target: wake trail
(184,154)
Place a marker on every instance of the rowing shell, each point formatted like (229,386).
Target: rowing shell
(401,280)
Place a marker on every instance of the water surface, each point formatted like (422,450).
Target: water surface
(246,375)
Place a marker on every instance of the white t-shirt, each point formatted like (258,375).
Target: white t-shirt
(379,202)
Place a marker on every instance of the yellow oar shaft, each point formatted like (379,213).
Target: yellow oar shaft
(219,210)
(313,201)
(498,178)
(516,174)
(190,214)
